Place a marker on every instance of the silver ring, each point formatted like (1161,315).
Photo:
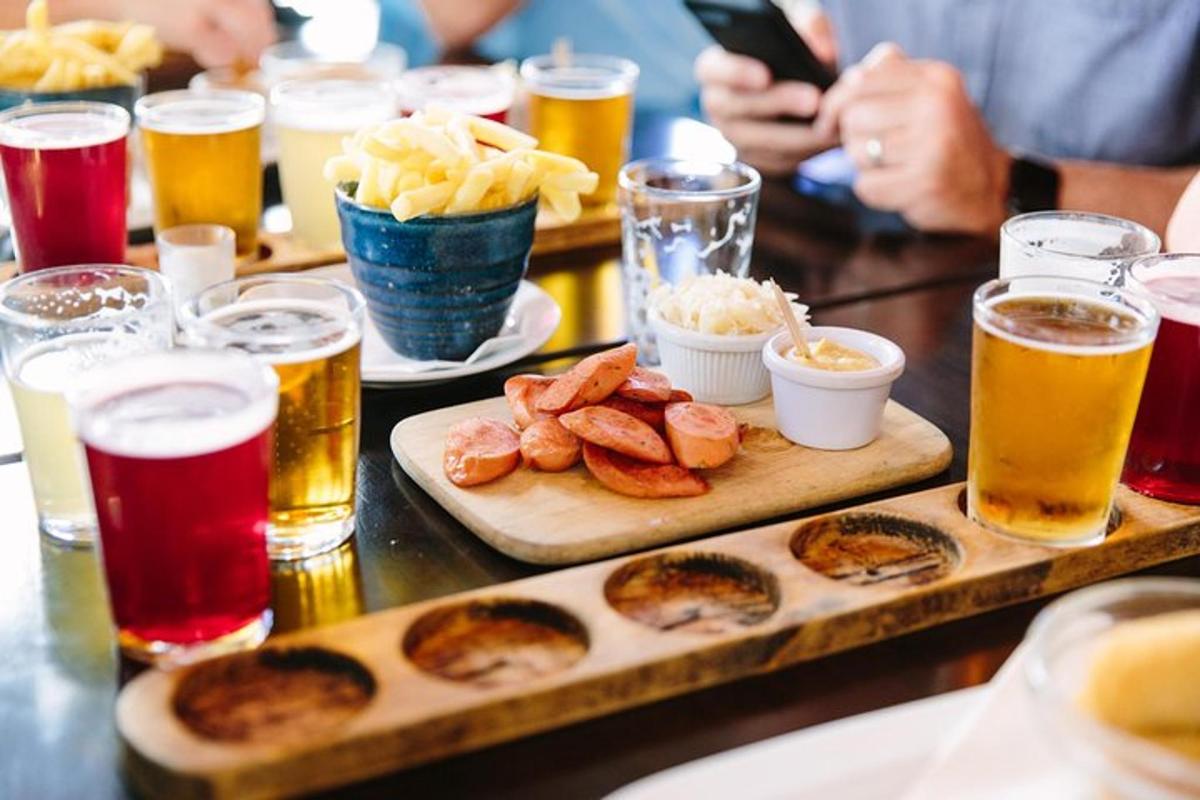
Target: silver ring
(875,151)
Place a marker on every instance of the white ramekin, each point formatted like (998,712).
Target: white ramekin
(832,410)
(727,370)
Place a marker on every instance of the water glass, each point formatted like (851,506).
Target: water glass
(1073,244)
(679,219)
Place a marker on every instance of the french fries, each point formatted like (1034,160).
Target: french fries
(439,161)
(77,55)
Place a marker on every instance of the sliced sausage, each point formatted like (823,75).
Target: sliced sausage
(680,396)
(626,476)
(479,450)
(522,392)
(618,431)
(589,381)
(649,413)
(548,446)
(702,436)
(646,385)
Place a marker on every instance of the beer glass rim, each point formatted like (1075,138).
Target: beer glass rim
(157,295)
(111,111)
(1055,286)
(195,235)
(1181,307)
(350,103)
(1009,231)
(257,381)
(285,60)
(609,75)
(412,87)
(195,318)
(632,177)
(250,109)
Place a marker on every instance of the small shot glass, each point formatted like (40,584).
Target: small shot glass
(195,257)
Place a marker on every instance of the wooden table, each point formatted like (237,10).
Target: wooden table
(58,675)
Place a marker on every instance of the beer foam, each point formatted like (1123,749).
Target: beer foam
(1176,296)
(331,105)
(284,331)
(174,404)
(467,89)
(187,112)
(1134,340)
(63,130)
(55,365)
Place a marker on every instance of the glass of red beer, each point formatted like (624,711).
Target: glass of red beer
(1164,453)
(482,91)
(178,448)
(64,169)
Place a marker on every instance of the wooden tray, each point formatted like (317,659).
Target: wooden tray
(568,517)
(328,706)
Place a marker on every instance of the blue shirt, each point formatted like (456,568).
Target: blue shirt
(660,35)
(1102,80)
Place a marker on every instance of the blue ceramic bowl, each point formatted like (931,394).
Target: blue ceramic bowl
(124,96)
(437,287)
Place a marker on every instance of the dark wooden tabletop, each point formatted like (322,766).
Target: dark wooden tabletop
(59,675)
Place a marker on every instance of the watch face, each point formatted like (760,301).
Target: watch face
(1032,185)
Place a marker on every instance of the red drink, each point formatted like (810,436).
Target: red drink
(482,91)
(178,448)
(65,170)
(1164,452)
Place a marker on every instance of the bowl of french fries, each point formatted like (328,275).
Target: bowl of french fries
(437,212)
(81,60)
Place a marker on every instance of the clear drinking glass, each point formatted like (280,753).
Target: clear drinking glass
(58,324)
(178,448)
(582,106)
(471,89)
(295,59)
(1057,367)
(1073,244)
(311,117)
(310,331)
(679,219)
(194,257)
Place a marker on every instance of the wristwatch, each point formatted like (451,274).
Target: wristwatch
(1032,185)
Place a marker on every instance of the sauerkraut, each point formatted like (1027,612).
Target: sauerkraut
(722,304)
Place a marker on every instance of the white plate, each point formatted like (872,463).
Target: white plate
(531,322)
(867,757)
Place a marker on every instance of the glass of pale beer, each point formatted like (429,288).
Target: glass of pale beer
(202,155)
(582,106)
(310,331)
(1073,244)
(1057,367)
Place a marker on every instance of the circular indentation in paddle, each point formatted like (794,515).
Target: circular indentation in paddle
(866,549)
(1115,519)
(496,642)
(272,695)
(764,440)
(696,592)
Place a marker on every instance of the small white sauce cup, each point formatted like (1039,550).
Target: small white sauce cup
(714,368)
(831,410)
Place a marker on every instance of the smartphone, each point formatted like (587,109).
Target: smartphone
(760,29)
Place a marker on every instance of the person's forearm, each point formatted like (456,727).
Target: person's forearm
(1145,194)
(458,23)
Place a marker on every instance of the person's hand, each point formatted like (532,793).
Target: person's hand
(1183,232)
(740,98)
(216,32)
(921,146)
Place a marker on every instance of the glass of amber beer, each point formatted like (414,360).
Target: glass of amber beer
(582,106)
(202,155)
(1057,368)
(310,331)
(1164,453)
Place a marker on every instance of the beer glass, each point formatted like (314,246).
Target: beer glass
(202,156)
(64,169)
(1164,453)
(679,219)
(57,324)
(311,117)
(1073,244)
(1057,366)
(582,106)
(310,331)
(178,447)
(470,89)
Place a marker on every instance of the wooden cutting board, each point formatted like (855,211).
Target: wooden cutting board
(568,517)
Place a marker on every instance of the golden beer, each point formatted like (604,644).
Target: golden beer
(203,159)
(1055,382)
(310,331)
(584,109)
